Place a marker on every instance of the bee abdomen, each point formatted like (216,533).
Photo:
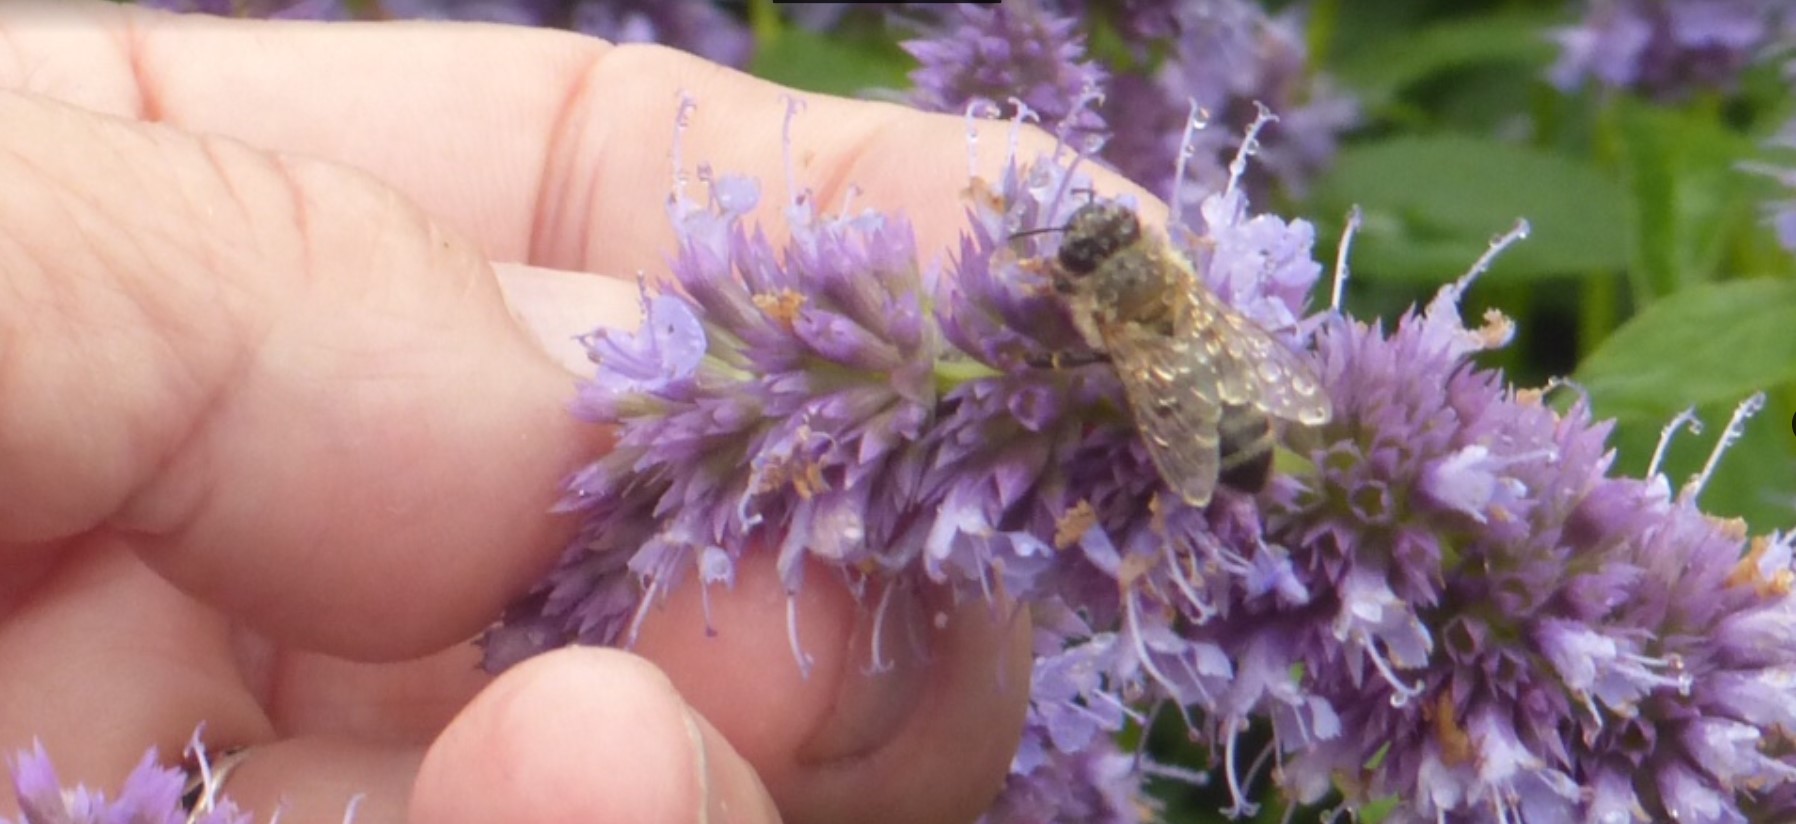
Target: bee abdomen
(1245,448)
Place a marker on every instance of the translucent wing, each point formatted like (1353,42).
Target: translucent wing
(1178,380)
(1250,365)
(1171,387)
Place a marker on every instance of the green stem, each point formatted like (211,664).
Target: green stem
(951,374)
(764,20)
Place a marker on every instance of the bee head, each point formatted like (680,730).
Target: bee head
(1094,233)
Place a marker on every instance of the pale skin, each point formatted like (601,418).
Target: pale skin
(283,390)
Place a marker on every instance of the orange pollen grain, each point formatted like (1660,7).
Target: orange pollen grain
(1456,745)
(1747,572)
(1073,524)
(783,306)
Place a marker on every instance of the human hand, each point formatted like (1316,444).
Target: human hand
(273,446)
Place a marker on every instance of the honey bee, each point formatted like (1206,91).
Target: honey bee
(1203,382)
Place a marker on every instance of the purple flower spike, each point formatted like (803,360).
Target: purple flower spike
(1454,604)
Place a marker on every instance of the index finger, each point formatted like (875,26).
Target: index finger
(546,147)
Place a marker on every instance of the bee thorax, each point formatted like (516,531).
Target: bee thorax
(1096,232)
(1203,382)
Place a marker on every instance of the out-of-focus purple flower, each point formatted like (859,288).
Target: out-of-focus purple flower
(276,9)
(1225,56)
(699,27)
(1667,48)
(1004,55)
(515,12)
(1781,212)
(1229,58)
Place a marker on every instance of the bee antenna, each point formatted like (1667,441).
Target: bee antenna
(1041,231)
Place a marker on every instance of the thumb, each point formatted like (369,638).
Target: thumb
(588,735)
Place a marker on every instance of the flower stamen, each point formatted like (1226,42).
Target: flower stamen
(798,654)
(1241,807)
(682,121)
(1132,614)
(876,645)
(794,105)
(1250,145)
(977,109)
(1686,419)
(1354,217)
(1736,426)
(1401,691)
(1498,245)
(1197,120)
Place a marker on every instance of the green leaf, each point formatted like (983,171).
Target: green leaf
(806,60)
(1379,73)
(1712,343)
(1432,204)
(1690,200)
(1755,478)
(1709,346)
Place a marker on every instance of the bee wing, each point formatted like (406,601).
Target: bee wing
(1250,365)
(1171,387)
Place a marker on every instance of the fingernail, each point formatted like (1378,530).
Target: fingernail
(882,682)
(556,307)
(731,792)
